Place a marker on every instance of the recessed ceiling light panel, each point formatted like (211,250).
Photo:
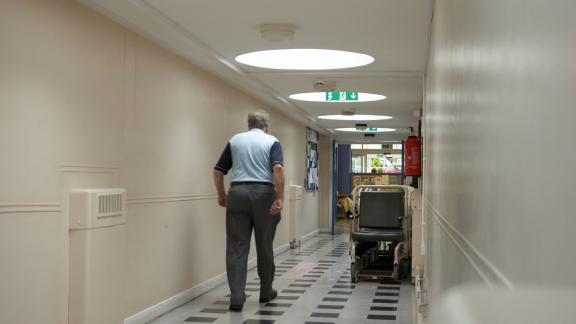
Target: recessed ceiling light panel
(321,97)
(305,59)
(354,117)
(367,130)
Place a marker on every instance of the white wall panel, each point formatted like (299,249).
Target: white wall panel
(499,135)
(86,103)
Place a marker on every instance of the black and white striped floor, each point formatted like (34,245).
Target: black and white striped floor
(313,285)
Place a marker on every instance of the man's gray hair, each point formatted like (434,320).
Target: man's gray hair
(258,119)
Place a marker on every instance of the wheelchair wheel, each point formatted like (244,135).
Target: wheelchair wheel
(353,274)
(405,268)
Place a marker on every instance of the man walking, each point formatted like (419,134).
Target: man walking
(254,201)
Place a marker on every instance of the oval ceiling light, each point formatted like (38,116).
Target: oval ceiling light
(304,59)
(367,130)
(322,97)
(354,117)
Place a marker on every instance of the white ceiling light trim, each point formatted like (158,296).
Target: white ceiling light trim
(367,130)
(321,97)
(305,59)
(355,117)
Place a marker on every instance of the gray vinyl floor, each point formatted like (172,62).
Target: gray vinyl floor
(313,284)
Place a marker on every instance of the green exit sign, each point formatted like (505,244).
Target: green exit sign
(372,129)
(341,96)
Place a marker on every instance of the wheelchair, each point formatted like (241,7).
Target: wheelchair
(380,235)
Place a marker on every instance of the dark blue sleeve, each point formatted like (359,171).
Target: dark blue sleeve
(276,156)
(225,162)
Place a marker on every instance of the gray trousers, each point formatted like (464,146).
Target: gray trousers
(248,208)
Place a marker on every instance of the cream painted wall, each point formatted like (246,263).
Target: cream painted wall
(499,177)
(86,103)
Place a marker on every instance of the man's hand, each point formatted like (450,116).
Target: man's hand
(222,199)
(277,206)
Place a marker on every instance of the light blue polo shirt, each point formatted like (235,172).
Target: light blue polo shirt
(251,156)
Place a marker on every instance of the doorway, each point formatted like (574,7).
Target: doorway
(361,164)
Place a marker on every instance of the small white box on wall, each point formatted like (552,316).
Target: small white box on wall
(95,208)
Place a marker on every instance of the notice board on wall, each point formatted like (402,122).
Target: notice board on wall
(311,180)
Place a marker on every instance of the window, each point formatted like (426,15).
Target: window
(384,163)
(377,158)
(356,163)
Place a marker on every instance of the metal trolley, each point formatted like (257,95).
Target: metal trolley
(381,233)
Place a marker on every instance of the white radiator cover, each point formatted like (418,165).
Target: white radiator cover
(294,212)
(97,256)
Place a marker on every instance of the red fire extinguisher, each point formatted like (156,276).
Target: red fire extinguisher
(412,156)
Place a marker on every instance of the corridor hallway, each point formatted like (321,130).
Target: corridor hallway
(113,114)
(313,284)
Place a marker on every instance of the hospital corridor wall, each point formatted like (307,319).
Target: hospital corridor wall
(499,136)
(86,103)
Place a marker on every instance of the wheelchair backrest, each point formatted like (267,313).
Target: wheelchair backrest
(381,209)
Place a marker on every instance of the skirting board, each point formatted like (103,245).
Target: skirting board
(309,236)
(184,297)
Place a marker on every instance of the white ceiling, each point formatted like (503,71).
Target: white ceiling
(211,33)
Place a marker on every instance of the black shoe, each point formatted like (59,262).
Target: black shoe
(236,308)
(272,296)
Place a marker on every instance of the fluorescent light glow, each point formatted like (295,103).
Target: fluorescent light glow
(305,59)
(354,117)
(321,97)
(367,130)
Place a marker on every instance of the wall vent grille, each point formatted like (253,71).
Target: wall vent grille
(109,205)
